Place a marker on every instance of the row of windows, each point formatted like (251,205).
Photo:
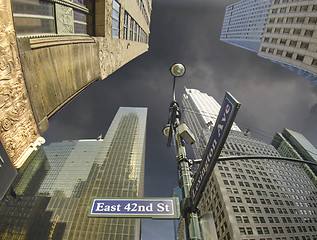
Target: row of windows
(285,1)
(291,43)
(132,29)
(242,209)
(142,9)
(291,55)
(269,202)
(40,17)
(309,20)
(272,194)
(276,230)
(294,31)
(303,8)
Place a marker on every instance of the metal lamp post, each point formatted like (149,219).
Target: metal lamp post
(182,135)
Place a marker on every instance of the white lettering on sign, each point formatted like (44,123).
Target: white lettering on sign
(107,208)
(134,207)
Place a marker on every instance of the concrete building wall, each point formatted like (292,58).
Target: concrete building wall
(59,58)
(290,36)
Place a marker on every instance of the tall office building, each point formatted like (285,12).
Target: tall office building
(52,51)
(244,23)
(294,145)
(201,112)
(255,199)
(53,202)
(285,32)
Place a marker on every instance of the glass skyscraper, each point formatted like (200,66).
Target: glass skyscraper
(294,145)
(263,199)
(52,194)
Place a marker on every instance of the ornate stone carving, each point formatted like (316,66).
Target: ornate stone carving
(65,19)
(18,129)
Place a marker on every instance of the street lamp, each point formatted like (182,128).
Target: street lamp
(182,134)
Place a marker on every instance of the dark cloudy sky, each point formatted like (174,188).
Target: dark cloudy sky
(188,31)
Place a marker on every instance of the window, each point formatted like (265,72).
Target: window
(249,231)
(293,43)
(256,220)
(304,45)
(131,28)
(242,231)
(283,10)
(300,57)
(259,230)
(283,42)
(292,9)
(289,54)
(304,8)
(246,219)
(42,20)
(300,19)
(312,20)
(309,33)
(239,219)
(125,32)
(289,20)
(297,31)
(277,30)
(115,19)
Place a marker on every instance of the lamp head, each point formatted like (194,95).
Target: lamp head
(177,69)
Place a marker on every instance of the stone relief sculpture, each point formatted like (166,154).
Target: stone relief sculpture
(18,129)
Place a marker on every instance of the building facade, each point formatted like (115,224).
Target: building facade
(256,199)
(54,190)
(244,23)
(52,51)
(290,37)
(294,145)
(287,34)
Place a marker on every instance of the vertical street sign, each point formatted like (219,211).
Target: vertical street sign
(158,208)
(220,131)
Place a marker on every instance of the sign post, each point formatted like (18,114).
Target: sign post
(158,208)
(220,132)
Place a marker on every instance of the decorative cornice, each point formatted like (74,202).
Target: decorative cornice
(18,129)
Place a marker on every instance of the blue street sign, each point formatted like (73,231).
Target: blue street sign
(160,208)
(220,131)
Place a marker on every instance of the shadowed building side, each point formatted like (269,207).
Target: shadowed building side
(52,51)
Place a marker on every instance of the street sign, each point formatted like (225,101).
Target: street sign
(159,208)
(220,131)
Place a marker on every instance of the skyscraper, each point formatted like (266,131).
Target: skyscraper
(244,23)
(53,51)
(279,30)
(69,175)
(251,198)
(294,145)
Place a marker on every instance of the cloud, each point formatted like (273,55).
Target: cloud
(310,125)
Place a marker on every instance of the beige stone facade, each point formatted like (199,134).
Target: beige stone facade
(50,56)
(18,128)
(290,35)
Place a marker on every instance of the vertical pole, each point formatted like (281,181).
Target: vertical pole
(184,177)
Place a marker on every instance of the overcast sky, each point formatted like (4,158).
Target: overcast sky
(272,97)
